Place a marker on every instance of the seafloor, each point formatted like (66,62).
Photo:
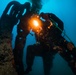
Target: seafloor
(6,56)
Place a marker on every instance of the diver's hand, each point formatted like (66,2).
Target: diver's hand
(70,46)
(57,47)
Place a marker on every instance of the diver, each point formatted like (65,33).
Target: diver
(65,48)
(45,45)
(22,31)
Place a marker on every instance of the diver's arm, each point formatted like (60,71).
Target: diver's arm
(57,20)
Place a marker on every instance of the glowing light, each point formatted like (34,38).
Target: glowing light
(35,22)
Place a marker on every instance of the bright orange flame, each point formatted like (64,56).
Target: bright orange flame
(35,23)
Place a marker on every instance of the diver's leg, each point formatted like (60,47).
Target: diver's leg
(18,55)
(29,58)
(47,62)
